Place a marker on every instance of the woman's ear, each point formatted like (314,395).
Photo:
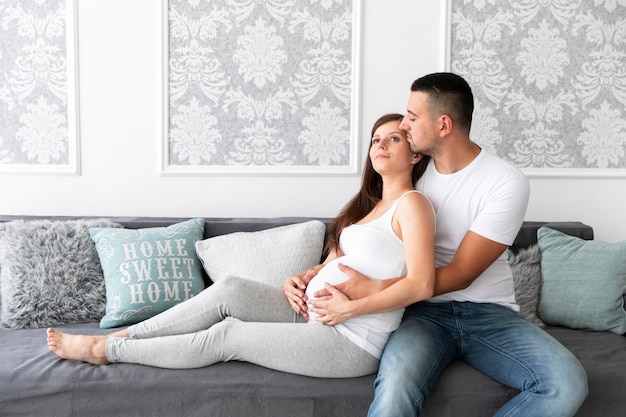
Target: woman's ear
(417,157)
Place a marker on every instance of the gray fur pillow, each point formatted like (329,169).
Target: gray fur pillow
(526,268)
(50,273)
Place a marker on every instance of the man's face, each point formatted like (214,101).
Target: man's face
(419,124)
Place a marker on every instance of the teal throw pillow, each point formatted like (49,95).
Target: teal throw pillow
(147,271)
(583,282)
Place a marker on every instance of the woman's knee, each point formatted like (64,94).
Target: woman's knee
(230,287)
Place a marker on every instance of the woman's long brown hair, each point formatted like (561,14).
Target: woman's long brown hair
(370,193)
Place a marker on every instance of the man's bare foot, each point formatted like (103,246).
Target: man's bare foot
(91,349)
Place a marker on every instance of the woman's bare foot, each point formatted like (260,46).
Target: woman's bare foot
(91,349)
(119,333)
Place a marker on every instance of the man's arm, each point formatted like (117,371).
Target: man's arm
(474,255)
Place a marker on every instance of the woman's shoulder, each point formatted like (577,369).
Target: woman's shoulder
(414,201)
(414,197)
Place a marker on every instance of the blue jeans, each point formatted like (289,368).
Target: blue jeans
(493,339)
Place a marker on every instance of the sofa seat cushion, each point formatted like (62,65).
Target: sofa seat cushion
(36,382)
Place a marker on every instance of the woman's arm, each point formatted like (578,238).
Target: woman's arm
(415,224)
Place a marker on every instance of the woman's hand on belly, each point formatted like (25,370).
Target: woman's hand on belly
(336,303)
(330,273)
(332,309)
(295,291)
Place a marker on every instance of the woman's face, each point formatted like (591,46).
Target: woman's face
(390,150)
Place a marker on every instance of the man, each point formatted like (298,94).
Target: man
(480,202)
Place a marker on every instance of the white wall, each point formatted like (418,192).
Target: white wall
(120,114)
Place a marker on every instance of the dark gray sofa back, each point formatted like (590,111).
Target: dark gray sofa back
(215,226)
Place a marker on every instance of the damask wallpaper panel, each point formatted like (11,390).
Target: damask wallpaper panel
(262,87)
(549,79)
(38,87)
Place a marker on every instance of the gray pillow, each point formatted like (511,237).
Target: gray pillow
(267,256)
(526,268)
(50,273)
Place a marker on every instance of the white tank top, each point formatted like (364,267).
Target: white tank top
(375,250)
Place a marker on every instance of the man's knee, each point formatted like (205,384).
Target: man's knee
(574,386)
(564,391)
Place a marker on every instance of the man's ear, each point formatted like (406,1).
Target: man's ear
(446,125)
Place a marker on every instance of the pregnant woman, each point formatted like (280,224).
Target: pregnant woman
(385,231)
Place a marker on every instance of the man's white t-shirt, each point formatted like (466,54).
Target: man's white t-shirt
(488,197)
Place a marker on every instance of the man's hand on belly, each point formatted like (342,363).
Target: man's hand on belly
(357,285)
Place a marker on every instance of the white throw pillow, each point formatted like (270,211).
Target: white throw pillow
(267,256)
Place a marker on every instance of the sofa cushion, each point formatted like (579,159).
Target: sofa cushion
(267,256)
(526,268)
(50,273)
(148,270)
(583,282)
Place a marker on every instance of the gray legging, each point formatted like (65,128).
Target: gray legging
(242,320)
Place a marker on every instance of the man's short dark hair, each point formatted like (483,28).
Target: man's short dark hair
(450,94)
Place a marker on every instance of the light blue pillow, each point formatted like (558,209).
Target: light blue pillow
(147,271)
(583,282)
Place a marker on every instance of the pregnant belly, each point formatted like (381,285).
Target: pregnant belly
(332,275)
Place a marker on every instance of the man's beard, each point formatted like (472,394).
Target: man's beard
(429,151)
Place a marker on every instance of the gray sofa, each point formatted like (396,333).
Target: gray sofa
(34,382)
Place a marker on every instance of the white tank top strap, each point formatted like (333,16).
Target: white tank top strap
(387,217)
(408,192)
